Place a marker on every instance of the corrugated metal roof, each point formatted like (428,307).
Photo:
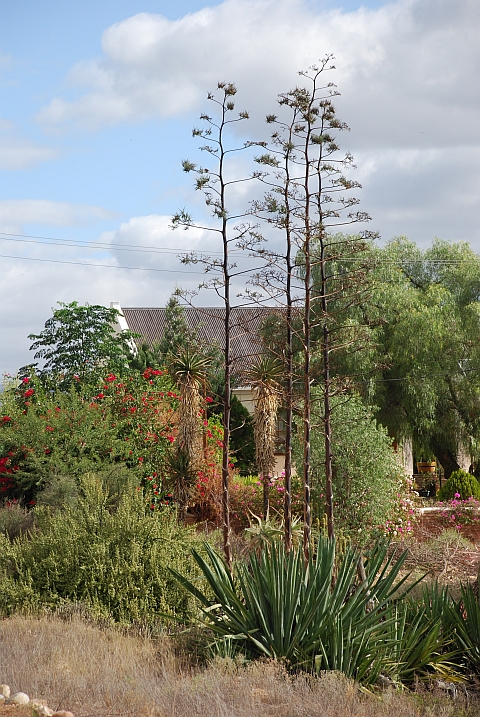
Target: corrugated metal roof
(208,323)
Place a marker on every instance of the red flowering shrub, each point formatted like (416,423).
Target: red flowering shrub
(130,421)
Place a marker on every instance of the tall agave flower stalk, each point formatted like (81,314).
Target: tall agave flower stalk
(189,370)
(264,376)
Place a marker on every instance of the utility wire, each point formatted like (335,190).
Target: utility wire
(104,266)
(168,250)
(51,241)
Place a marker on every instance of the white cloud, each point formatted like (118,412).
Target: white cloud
(18,152)
(46,274)
(16,213)
(406,68)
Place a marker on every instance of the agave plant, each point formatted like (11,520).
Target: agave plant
(276,605)
(264,377)
(262,533)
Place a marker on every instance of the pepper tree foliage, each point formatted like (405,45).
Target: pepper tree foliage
(425,314)
(79,341)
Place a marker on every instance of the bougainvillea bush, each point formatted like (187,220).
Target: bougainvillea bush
(127,421)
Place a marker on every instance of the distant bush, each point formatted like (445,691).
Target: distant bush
(460,484)
(368,482)
(108,552)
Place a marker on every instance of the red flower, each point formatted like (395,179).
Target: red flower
(49,428)
(25,380)
(6,419)
(29,392)
(111,377)
(209,399)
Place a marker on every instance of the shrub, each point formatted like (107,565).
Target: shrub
(47,434)
(367,477)
(246,498)
(462,483)
(109,552)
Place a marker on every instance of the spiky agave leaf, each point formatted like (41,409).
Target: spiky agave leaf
(278,606)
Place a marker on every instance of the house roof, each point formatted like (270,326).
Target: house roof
(208,323)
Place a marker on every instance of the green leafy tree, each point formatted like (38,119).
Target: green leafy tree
(242,441)
(177,337)
(425,314)
(80,342)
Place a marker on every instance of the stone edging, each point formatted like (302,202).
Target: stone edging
(21,699)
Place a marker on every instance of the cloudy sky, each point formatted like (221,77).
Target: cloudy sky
(99,98)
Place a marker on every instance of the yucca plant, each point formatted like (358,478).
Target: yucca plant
(275,605)
(264,376)
(189,370)
(418,644)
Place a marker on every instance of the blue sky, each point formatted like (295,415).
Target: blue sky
(98,100)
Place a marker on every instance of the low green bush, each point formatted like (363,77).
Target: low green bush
(462,483)
(108,551)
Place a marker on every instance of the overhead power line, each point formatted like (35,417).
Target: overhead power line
(46,241)
(104,266)
(55,241)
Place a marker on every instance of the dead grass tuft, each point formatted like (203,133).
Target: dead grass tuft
(76,666)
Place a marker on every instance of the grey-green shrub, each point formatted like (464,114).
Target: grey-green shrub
(367,475)
(461,482)
(111,555)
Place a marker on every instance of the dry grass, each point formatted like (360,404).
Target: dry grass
(76,666)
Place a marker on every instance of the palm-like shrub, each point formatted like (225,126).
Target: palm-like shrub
(264,377)
(461,482)
(275,605)
(189,370)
